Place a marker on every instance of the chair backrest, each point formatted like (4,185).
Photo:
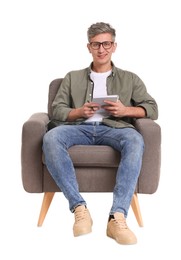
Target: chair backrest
(53,88)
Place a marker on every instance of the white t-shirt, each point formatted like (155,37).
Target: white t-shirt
(100,89)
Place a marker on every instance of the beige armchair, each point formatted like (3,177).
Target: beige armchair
(99,162)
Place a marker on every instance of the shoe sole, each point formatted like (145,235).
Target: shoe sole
(82,232)
(120,242)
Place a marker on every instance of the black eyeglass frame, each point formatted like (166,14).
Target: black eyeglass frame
(101,43)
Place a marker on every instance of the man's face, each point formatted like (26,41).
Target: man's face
(102,53)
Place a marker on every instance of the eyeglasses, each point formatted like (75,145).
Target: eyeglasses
(96,45)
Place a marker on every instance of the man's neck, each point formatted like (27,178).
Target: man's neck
(101,68)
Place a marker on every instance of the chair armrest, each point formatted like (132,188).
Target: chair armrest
(150,172)
(33,131)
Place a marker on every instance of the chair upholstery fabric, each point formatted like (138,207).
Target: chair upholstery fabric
(95,166)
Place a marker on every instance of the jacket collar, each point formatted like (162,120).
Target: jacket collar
(113,69)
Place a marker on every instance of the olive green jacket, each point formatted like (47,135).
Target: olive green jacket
(77,88)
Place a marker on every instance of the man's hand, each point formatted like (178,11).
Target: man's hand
(117,109)
(86,111)
(89,108)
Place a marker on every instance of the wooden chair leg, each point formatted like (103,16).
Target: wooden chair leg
(136,209)
(48,196)
(47,199)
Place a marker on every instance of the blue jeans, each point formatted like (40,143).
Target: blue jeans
(127,141)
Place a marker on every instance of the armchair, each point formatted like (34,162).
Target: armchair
(99,162)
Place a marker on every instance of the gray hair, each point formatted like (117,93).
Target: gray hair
(101,27)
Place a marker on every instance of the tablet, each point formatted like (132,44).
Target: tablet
(100,100)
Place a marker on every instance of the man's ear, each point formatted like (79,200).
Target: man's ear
(114,47)
(88,47)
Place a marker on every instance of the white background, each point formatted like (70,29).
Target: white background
(42,40)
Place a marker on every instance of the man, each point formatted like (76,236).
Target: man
(87,123)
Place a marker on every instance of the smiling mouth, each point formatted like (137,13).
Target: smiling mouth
(101,56)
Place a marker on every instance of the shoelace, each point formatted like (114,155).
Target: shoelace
(80,215)
(121,223)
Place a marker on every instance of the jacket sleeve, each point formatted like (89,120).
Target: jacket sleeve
(140,97)
(62,103)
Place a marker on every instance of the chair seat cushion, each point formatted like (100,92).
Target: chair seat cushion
(93,156)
